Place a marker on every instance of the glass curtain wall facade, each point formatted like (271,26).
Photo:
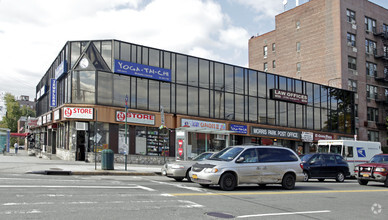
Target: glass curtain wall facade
(198,87)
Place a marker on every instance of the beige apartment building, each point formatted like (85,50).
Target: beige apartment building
(338,43)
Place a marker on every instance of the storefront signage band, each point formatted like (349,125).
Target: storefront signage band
(289,96)
(275,133)
(133,117)
(203,124)
(78,113)
(135,69)
(241,129)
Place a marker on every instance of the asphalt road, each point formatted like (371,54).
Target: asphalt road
(31,196)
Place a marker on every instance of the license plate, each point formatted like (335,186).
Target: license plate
(365,175)
(194,176)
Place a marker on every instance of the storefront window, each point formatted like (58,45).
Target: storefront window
(142,93)
(121,88)
(193,101)
(204,102)
(152,141)
(204,73)
(102,137)
(193,71)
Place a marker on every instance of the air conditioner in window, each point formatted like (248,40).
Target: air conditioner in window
(81,126)
(354,26)
(355,49)
(349,44)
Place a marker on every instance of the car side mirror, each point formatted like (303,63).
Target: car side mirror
(240,160)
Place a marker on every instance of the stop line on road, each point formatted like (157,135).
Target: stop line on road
(80,187)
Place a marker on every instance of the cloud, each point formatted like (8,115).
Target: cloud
(34,31)
(264,8)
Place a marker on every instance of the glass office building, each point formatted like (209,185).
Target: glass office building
(82,97)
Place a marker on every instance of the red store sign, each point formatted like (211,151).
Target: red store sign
(319,136)
(138,118)
(78,113)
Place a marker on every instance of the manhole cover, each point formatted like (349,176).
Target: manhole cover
(219,215)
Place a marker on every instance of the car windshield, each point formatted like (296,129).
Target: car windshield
(379,159)
(323,148)
(202,156)
(306,157)
(227,154)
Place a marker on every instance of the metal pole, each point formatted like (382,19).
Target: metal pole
(95,143)
(126,142)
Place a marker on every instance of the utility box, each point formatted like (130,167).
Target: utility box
(107,159)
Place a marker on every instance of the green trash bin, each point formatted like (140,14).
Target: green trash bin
(107,159)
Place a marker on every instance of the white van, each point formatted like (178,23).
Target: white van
(354,152)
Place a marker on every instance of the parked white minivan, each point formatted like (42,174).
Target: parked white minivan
(249,165)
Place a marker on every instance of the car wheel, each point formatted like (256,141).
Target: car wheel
(178,179)
(188,175)
(321,180)
(364,182)
(386,182)
(288,181)
(205,185)
(228,182)
(340,177)
(306,176)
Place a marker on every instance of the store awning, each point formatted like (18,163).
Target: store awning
(19,134)
(205,130)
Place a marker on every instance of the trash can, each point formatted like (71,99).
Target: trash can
(107,158)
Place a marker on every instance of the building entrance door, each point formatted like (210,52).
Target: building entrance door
(81,145)
(54,143)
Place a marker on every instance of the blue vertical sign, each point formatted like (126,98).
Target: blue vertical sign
(53,93)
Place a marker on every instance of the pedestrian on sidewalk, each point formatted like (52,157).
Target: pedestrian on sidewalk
(16,148)
(4,149)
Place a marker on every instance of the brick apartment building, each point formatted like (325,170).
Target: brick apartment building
(339,43)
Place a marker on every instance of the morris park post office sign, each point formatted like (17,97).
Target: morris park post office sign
(275,133)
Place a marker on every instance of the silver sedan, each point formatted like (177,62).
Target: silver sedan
(180,169)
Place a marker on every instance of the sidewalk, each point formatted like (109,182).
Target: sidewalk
(12,163)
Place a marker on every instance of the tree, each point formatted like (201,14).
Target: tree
(14,112)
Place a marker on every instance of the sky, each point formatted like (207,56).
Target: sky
(32,32)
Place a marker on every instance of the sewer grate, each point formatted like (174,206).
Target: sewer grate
(219,215)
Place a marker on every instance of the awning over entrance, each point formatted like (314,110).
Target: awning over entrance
(19,134)
(205,130)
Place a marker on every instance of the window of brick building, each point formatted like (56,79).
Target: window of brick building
(352,63)
(352,85)
(371,92)
(373,114)
(370,25)
(373,136)
(351,39)
(371,69)
(351,16)
(265,51)
(265,68)
(370,47)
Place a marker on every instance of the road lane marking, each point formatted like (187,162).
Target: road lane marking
(79,187)
(276,193)
(181,186)
(283,213)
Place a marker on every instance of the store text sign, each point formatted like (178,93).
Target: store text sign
(135,69)
(319,136)
(275,133)
(133,117)
(53,93)
(203,124)
(241,129)
(289,96)
(78,113)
